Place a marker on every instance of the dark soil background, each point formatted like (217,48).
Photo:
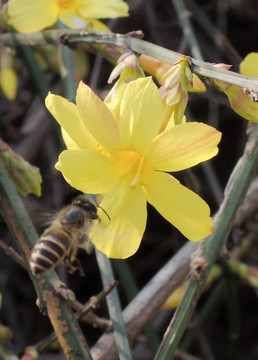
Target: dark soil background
(230,329)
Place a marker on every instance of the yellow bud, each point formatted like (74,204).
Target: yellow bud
(8,83)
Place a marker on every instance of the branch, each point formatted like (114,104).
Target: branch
(25,236)
(209,249)
(129,41)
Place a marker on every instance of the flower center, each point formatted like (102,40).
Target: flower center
(132,167)
(67,4)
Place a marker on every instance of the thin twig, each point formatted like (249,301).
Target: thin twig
(114,308)
(82,310)
(12,254)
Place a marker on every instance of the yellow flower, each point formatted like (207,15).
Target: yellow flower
(240,101)
(126,159)
(29,16)
(249,65)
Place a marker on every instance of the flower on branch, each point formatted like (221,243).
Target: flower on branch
(175,85)
(29,16)
(240,98)
(158,69)
(124,156)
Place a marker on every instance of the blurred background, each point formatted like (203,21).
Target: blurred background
(226,31)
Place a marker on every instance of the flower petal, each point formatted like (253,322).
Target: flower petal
(120,236)
(179,205)
(29,16)
(86,170)
(69,142)
(249,65)
(97,118)
(100,9)
(182,146)
(140,114)
(74,21)
(67,115)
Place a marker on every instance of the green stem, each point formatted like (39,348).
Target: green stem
(210,247)
(39,79)
(114,308)
(128,41)
(131,290)
(25,236)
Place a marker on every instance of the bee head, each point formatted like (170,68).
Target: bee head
(87,205)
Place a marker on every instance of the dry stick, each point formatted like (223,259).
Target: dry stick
(129,41)
(148,302)
(12,254)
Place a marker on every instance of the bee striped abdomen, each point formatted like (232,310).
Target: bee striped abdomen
(51,248)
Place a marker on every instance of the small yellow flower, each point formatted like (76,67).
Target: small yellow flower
(126,159)
(29,16)
(240,101)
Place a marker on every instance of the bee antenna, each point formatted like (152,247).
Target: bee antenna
(104,211)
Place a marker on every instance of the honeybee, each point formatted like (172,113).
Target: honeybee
(61,240)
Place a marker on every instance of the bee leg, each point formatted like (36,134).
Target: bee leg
(76,265)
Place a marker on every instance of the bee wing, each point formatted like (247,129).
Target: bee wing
(40,216)
(44,219)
